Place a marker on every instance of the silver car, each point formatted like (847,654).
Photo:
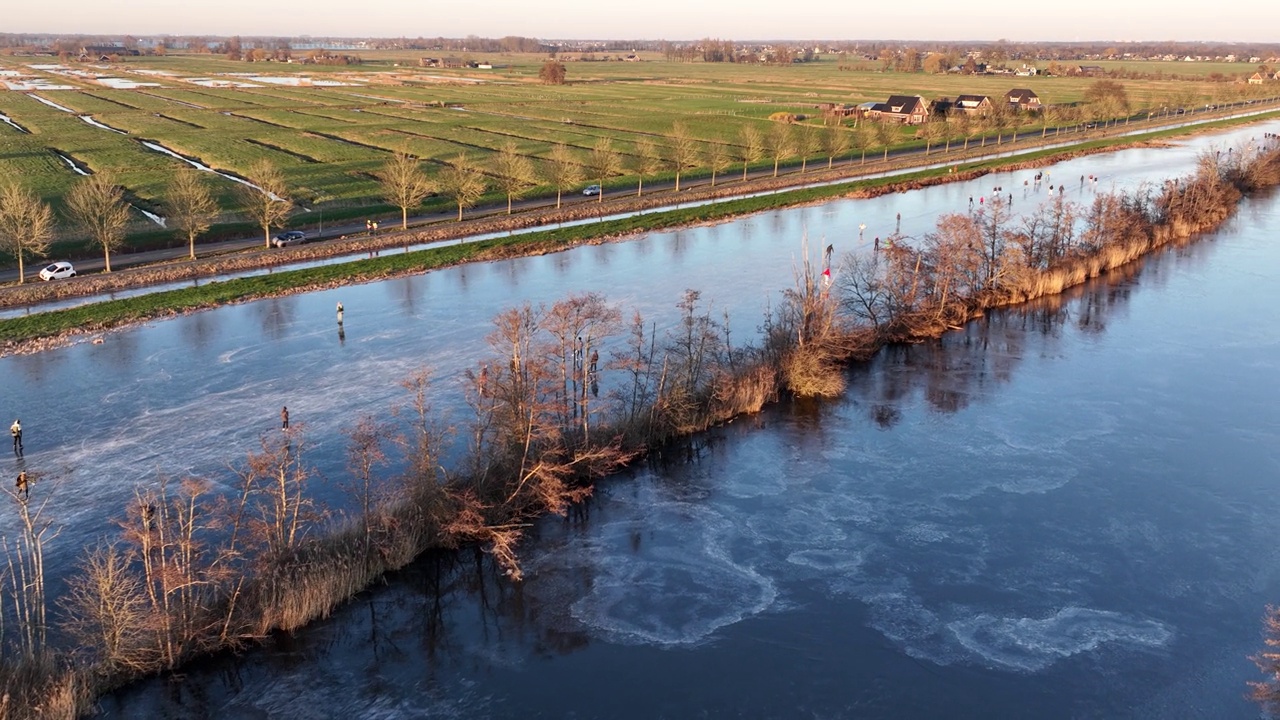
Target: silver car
(289,237)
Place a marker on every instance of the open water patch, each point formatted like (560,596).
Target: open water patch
(151,145)
(150,215)
(76,167)
(51,104)
(101,125)
(9,121)
(172,100)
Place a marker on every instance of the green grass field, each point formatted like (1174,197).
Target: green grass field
(330,141)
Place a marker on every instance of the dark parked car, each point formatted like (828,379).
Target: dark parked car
(289,237)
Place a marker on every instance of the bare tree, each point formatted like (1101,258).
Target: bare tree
(462,181)
(515,172)
(885,135)
(578,325)
(266,200)
(26,224)
(1000,119)
(190,206)
(950,130)
(1267,692)
(1049,115)
(169,532)
(807,143)
(717,159)
(278,476)
(366,452)
(933,132)
(97,205)
(862,290)
(863,138)
(565,170)
(605,162)
(404,184)
(684,150)
(808,313)
(1106,99)
(649,161)
(636,359)
(979,125)
(964,127)
(779,144)
(693,344)
(106,608)
(25,565)
(954,265)
(992,221)
(423,442)
(835,141)
(752,147)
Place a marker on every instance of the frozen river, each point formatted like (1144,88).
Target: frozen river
(1064,511)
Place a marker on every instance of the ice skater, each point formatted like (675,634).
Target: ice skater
(21,485)
(284,418)
(339,312)
(16,431)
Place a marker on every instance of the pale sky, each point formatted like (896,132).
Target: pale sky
(1108,20)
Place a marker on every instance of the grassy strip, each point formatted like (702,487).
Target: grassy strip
(114,313)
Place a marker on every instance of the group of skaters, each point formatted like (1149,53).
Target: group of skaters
(1039,177)
(593,360)
(22,486)
(284,410)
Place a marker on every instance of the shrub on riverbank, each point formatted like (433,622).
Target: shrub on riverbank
(915,288)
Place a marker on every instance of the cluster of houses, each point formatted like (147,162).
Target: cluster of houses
(104,53)
(915,110)
(454,62)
